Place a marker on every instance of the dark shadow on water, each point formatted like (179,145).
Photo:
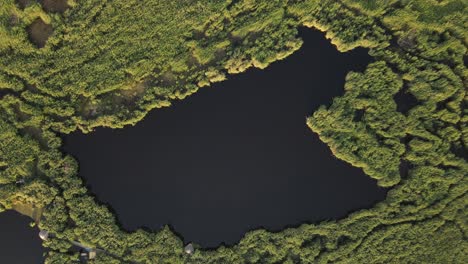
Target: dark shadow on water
(405,101)
(404,168)
(233,157)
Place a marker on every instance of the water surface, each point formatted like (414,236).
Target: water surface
(19,243)
(233,157)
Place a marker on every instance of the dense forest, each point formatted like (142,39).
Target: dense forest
(69,64)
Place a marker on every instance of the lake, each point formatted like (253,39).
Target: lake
(19,243)
(233,157)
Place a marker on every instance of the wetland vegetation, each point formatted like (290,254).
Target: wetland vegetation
(108,63)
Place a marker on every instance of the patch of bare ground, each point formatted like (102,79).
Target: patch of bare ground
(55,6)
(32,88)
(130,95)
(89,110)
(192,61)
(168,79)
(135,90)
(219,54)
(39,32)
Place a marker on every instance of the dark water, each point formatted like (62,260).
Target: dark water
(19,243)
(233,157)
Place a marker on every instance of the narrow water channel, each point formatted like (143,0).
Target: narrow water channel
(233,157)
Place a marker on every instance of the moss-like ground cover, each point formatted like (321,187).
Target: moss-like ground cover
(68,65)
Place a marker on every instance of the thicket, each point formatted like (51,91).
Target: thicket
(107,63)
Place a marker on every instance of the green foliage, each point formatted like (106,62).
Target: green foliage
(373,142)
(108,63)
